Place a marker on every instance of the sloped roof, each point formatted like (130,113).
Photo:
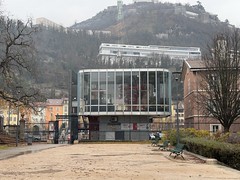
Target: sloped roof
(193,65)
(54,102)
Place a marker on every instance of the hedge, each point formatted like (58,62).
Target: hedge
(226,153)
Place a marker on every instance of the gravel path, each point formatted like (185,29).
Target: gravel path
(110,161)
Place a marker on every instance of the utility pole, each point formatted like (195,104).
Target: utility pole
(177,78)
(70,105)
(177,113)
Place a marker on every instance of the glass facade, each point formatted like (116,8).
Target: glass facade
(124,92)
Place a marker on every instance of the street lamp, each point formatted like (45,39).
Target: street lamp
(177,112)
(18,97)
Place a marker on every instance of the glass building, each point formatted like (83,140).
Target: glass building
(116,92)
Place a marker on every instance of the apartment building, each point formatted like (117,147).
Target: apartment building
(193,113)
(113,52)
(37,116)
(53,107)
(9,115)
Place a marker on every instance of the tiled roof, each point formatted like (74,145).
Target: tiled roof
(195,64)
(54,102)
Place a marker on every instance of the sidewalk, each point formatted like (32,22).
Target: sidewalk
(25,149)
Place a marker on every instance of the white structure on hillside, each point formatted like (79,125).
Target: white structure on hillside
(120,12)
(113,52)
(136,1)
(47,23)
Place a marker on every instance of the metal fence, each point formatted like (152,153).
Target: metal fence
(41,132)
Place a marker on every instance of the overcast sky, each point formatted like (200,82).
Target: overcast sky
(67,12)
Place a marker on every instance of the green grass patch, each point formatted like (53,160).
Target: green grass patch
(3,147)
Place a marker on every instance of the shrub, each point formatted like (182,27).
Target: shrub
(234,138)
(171,135)
(224,152)
(191,132)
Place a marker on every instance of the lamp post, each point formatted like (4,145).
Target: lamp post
(177,113)
(9,113)
(18,92)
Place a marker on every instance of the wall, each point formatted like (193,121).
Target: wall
(131,128)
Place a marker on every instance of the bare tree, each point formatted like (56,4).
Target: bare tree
(221,80)
(17,59)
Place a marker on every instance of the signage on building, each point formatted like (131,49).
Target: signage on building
(126,126)
(65,116)
(134,126)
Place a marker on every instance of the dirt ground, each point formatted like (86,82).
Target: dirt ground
(110,161)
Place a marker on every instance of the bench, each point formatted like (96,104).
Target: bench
(155,141)
(164,146)
(178,150)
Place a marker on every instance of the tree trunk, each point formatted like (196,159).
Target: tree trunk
(226,129)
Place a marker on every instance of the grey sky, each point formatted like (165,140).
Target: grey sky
(67,12)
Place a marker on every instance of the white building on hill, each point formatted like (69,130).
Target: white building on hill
(47,23)
(136,1)
(113,52)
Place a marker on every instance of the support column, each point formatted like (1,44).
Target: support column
(22,127)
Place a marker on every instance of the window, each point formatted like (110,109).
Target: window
(125,91)
(215,128)
(213,81)
(136,53)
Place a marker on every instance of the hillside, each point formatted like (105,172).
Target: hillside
(143,23)
(161,23)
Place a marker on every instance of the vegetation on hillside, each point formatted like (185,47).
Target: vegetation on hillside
(60,50)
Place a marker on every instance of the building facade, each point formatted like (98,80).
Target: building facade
(112,52)
(194,114)
(119,102)
(38,117)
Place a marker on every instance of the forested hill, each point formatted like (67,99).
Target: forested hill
(143,24)
(157,23)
